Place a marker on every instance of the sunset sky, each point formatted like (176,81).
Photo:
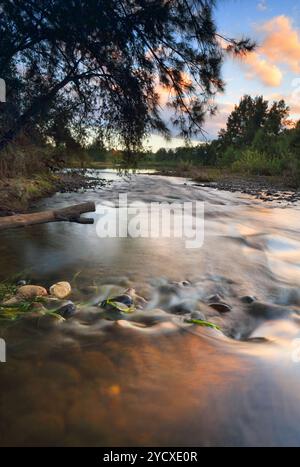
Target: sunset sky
(273,70)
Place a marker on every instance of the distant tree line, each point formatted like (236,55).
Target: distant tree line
(259,138)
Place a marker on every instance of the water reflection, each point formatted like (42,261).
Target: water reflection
(150,380)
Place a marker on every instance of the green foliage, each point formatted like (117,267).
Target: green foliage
(255,163)
(201,322)
(97,63)
(230,155)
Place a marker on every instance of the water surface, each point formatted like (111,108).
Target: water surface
(152,379)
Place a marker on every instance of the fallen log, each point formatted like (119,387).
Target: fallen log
(69,214)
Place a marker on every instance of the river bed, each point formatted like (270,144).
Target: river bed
(150,379)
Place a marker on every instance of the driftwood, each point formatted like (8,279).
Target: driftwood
(70,214)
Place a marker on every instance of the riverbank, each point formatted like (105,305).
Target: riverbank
(266,188)
(20,193)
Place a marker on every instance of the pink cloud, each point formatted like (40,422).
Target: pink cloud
(259,67)
(280,45)
(282,42)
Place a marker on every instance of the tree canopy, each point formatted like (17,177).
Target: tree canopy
(250,116)
(102,63)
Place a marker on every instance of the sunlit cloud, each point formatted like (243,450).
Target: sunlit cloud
(281,44)
(259,67)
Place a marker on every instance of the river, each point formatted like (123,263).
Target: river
(151,379)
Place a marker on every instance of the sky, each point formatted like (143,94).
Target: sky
(273,70)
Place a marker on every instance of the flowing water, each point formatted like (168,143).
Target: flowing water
(150,378)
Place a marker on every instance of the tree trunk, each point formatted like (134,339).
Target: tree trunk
(70,214)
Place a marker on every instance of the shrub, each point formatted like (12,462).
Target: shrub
(256,163)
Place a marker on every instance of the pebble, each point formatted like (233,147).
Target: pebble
(221,307)
(214,298)
(60,290)
(21,283)
(28,292)
(198,315)
(67,309)
(248,299)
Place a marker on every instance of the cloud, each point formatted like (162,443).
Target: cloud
(259,67)
(262,6)
(281,44)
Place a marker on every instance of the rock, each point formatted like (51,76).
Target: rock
(248,299)
(21,283)
(124,299)
(67,310)
(214,298)
(185,283)
(198,315)
(220,307)
(28,292)
(187,306)
(60,290)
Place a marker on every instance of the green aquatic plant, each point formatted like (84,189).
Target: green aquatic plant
(201,322)
(7,290)
(118,306)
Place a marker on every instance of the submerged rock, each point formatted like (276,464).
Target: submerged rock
(198,315)
(121,302)
(67,309)
(60,290)
(181,308)
(21,282)
(220,307)
(215,298)
(248,299)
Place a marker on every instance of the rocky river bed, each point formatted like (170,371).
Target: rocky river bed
(154,376)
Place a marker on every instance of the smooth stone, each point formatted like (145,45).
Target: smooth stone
(60,290)
(215,298)
(248,299)
(28,292)
(198,315)
(124,298)
(221,307)
(182,308)
(67,310)
(258,340)
(21,283)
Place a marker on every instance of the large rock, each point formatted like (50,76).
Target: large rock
(60,290)
(28,292)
